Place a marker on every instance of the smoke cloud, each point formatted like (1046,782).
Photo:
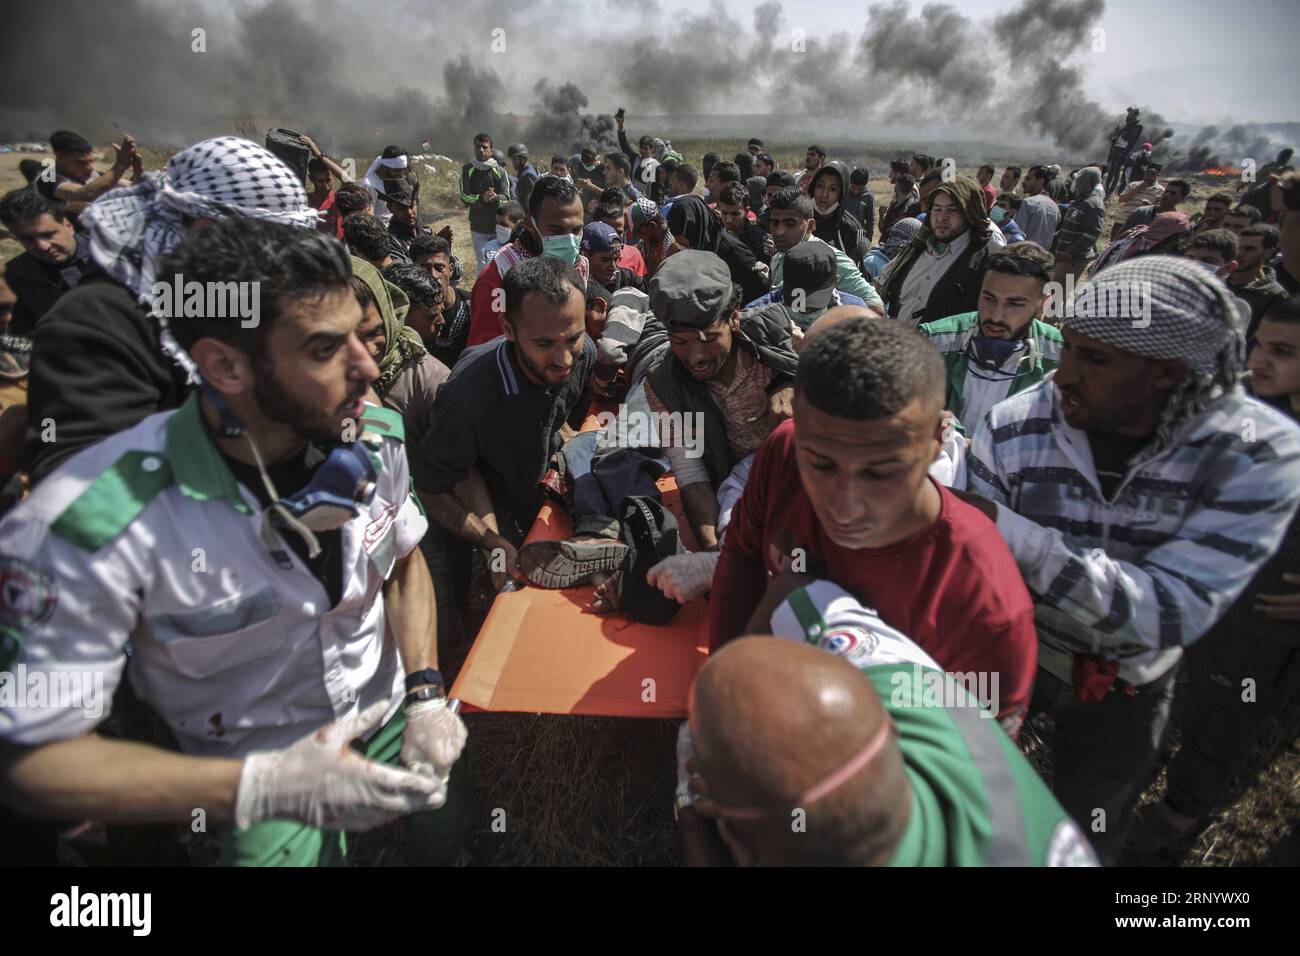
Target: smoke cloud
(549,73)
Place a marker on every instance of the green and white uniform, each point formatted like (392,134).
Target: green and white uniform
(974,389)
(142,554)
(976,801)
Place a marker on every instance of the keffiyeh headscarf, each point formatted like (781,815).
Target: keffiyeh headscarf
(900,234)
(402,343)
(969,195)
(1141,239)
(131,229)
(1187,313)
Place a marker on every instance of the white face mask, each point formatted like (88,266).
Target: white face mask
(503,234)
(827,210)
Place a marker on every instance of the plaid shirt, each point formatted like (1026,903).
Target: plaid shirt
(1141,576)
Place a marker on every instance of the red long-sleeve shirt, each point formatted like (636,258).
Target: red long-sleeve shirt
(954,588)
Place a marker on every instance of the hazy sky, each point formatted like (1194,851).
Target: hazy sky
(1195,61)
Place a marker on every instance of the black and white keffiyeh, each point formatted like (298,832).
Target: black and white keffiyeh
(1166,307)
(131,229)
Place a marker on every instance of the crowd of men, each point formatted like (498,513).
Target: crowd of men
(958,458)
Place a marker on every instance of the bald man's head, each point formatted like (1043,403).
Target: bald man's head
(773,718)
(841,313)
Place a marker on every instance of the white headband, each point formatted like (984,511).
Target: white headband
(396,162)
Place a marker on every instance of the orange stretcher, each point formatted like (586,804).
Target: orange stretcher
(542,651)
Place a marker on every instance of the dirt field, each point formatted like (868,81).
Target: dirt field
(595,791)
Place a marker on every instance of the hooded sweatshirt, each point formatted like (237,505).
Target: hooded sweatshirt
(691,219)
(1081,225)
(949,274)
(838,226)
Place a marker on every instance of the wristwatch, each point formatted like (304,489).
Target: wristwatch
(681,802)
(428,685)
(420,678)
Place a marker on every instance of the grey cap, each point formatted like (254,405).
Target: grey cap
(691,288)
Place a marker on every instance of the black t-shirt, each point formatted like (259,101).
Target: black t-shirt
(290,476)
(1111,455)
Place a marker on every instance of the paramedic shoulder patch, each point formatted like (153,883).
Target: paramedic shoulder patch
(28,597)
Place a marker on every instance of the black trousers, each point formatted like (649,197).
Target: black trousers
(1237,681)
(1105,753)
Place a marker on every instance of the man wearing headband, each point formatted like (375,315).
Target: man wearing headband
(390,165)
(249,562)
(98,366)
(896,762)
(1139,490)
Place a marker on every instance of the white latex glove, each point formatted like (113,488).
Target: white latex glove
(322,782)
(684,577)
(685,751)
(949,466)
(433,739)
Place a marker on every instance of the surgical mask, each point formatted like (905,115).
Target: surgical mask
(827,210)
(503,234)
(565,248)
(997,214)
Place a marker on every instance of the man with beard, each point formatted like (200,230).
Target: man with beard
(1004,347)
(501,412)
(1216,207)
(53,260)
(1175,194)
(1136,513)
(299,656)
(1254,280)
(940,272)
(98,364)
(813,161)
(433,254)
(730,370)
(404,227)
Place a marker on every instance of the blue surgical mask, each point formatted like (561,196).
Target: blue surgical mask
(997,214)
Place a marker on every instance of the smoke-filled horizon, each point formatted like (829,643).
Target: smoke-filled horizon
(550,73)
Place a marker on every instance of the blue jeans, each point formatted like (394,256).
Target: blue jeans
(601,473)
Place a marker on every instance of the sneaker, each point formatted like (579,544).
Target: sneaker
(569,563)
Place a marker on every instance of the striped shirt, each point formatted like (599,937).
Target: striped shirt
(1140,576)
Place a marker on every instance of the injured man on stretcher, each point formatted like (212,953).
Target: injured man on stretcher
(704,386)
